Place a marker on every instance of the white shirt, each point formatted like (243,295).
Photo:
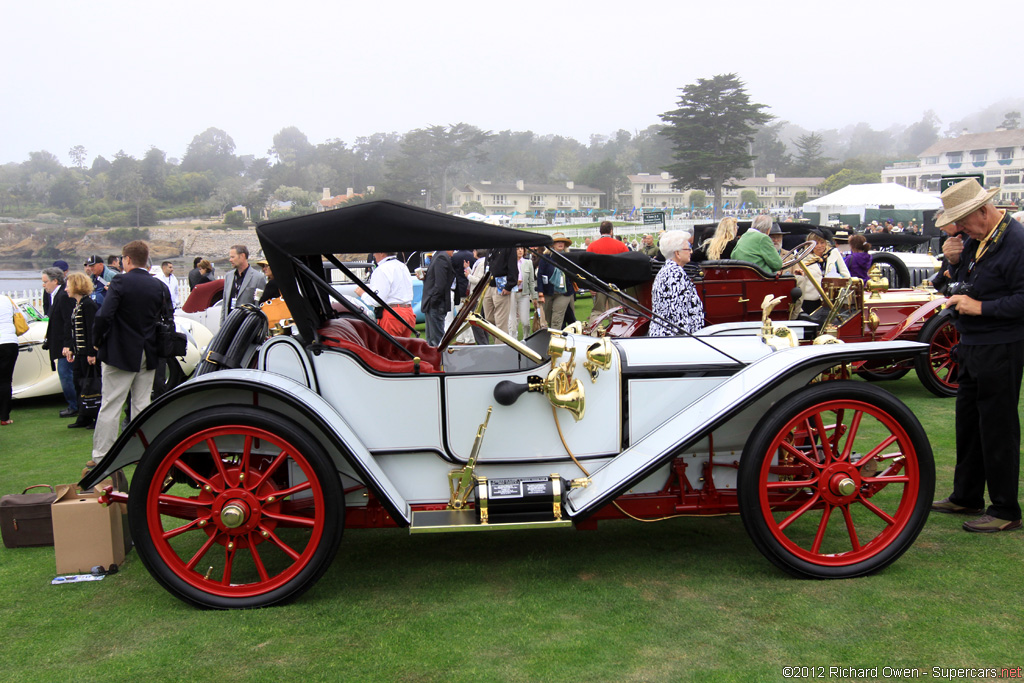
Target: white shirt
(7,308)
(171,281)
(390,280)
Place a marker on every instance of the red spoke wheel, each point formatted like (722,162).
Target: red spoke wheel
(836,481)
(237,508)
(939,371)
(882,373)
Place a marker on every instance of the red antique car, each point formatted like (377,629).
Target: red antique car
(853,311)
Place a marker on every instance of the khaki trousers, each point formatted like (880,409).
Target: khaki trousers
(497,307)
(555,306)
(116,384)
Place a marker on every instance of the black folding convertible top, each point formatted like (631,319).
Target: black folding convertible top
(291,243)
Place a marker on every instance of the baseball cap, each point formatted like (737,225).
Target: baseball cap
(93,260)
(63,265)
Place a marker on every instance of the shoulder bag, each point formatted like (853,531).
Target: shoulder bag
(20,324)
(91,396)
(169,342)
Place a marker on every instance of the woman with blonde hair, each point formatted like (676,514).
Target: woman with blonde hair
(721,244)
(78,337)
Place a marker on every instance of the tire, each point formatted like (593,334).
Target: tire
(901,274)
(243,328)
(883,374)
(833,517)
(289,509)
(939,371)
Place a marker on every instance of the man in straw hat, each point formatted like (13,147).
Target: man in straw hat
(986,263)
(556,293)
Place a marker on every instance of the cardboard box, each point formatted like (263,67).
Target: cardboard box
(85,533)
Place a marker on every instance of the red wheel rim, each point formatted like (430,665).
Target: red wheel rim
(246,531)
(819,496)
(940,355)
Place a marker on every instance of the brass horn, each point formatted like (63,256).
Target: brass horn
(599,357)
(565,393)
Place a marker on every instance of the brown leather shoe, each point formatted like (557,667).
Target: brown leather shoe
(987,524)
(949,507)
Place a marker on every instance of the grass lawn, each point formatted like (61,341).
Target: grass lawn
(684,599)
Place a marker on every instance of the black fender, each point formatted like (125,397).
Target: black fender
(256,388)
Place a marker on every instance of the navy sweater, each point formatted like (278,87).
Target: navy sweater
(998,282)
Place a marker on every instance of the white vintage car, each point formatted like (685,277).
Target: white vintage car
(33,375)
(248,472)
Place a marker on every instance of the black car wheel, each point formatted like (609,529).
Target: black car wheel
(939,371)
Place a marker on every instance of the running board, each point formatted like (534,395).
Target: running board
(445,521)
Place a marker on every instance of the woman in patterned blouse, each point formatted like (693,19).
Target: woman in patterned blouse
(675,297)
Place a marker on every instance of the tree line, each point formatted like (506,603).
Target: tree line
(715,133)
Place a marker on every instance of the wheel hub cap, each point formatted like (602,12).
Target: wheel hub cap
(840,483)
(843,486)
(234,514)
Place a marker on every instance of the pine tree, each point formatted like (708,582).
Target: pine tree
(712,131)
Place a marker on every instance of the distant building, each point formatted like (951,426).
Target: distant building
(327,202)
(522,197)
(998,154)
(773,192)
(655,191)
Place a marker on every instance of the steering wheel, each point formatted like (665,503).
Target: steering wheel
(799,253)
(467,307)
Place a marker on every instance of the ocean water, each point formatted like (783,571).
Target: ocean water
(20,280)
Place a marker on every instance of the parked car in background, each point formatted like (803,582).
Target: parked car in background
(851,311)
(33,375)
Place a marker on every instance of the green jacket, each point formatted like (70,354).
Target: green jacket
(757,247)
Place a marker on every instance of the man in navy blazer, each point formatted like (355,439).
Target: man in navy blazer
(59,312)
(126,342)
(240,284)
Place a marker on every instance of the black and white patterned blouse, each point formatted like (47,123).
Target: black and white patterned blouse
(675,298)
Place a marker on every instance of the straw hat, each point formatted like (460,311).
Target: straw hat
(963,198)
(560,237)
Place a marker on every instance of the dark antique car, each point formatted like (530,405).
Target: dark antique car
(852,310)
(248,473)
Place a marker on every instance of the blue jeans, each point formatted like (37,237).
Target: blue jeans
(434,319)
(67,383)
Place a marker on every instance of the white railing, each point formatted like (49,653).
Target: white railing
(35,296)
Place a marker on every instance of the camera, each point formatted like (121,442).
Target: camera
(954,288)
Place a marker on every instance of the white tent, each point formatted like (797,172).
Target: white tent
(855,199)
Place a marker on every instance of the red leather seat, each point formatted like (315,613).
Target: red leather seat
(375,350)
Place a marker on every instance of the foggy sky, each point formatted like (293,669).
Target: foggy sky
(130,75)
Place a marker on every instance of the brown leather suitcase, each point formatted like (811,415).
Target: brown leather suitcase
(25,519)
